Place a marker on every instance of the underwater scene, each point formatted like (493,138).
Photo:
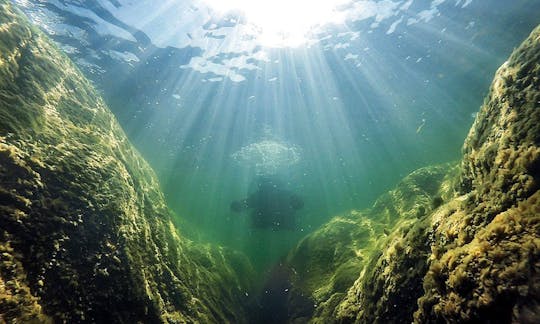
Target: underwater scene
(269,161)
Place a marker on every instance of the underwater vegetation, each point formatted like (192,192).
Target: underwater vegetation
(86,236)
(451,243)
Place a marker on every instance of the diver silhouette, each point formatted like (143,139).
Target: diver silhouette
(270,206)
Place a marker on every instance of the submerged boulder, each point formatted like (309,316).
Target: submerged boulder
(85,235)
(463,246)
(369,247)
(485,262)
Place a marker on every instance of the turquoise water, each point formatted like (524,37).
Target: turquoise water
(336,120)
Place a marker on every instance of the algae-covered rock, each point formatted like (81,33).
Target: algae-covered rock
(486,253)
(85,235)
(461,246)
(328,262)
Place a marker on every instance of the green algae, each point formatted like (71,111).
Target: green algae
(486,267)
(86,235)
(350,248)
(85,232)
(449,244)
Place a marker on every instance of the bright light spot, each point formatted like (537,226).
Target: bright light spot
(282,23)
(267,156)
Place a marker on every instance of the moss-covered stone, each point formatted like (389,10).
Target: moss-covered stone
(447,245)
(485,262)
(356,249)
(85,235)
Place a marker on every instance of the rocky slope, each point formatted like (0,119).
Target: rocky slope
(449,244)
(85,235)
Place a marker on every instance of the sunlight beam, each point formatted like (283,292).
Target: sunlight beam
(283,22)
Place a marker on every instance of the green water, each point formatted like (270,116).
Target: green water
(358,112)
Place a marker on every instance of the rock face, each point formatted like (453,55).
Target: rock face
(451,244)
(486,254)
(384,245)
(85,235)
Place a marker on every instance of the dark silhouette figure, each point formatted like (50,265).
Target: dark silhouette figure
(270,206)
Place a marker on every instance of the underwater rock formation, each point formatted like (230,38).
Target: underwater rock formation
(485,260)
(85,235)
(327,263)
(459,244)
